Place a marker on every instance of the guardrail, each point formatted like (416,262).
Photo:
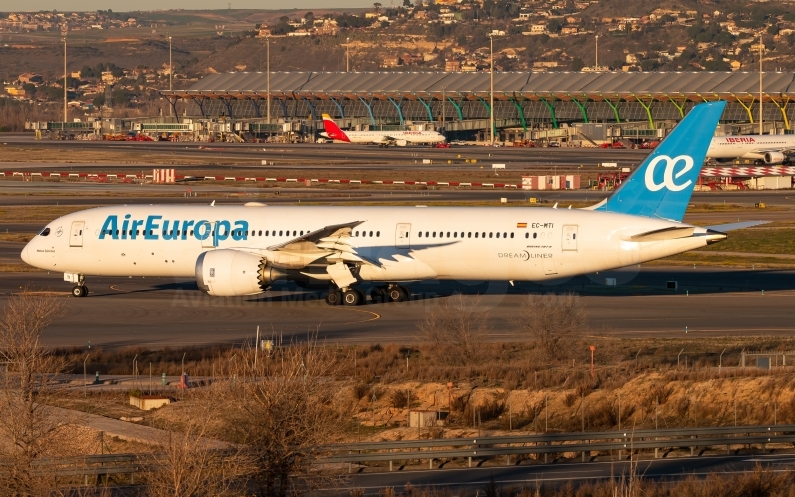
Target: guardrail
(556,443)
(479,448)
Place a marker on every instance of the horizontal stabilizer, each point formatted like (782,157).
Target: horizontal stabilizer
(671,233)
(723,228)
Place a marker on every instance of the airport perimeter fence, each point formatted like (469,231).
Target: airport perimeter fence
(480,449)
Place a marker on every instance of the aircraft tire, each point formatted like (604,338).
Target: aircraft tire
(334,297)
(397,294)
(352,297)
(80,291)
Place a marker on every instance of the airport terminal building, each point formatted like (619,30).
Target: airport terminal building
(527,105)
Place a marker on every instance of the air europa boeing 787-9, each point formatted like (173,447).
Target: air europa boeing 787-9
(241,250)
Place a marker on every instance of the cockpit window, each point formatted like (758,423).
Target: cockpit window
(45,232)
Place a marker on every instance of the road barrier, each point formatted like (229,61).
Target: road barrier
(483,448)
(480,449)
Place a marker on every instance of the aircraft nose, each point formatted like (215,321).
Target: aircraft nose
(24,254)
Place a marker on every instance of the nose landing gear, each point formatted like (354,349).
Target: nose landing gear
(80,289)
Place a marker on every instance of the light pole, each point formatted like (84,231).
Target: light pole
(443,109)
(761,128)
(347,55)
(268,39)
(170,67)
(596,67)
(491,89)
(65,98)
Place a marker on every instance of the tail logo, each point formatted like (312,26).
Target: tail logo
(668,175)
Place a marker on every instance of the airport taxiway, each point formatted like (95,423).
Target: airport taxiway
(159,312)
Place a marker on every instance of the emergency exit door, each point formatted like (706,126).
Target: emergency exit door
(76,234)
(569,237)
(403,235)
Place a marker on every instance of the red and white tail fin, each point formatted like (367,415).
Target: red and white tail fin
(332,130)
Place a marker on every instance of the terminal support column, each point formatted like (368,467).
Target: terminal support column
(783,108)
(647,108)
(369,109)
(256,107)
(488,111)
(339,106)
(228,103)
(550,108)
(457,106)
(520,111)
(311,108)
(200,103)
(613,106)
(747,107)
(679,107)
(284,108)
(397,106)
(583,110)
(427,108)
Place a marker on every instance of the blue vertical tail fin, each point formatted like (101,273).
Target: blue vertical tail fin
(662,185)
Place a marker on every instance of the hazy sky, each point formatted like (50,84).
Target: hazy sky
(127,5)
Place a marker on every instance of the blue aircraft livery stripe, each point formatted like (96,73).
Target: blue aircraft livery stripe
(154,227)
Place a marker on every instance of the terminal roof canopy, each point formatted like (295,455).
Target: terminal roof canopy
(697,86)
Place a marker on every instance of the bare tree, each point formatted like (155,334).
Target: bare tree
(30,432)
(188,463)
(455,329)
(552,322)
(285,408)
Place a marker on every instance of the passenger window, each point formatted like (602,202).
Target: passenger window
(448,234)
(490,233)
(371,233)
(476,234)
(455,234)
(81,232)
(191,232)
(574,236)
(260,232)
(484,234)
(527,235)
(420,234)
(504,235)
(280,233)
(294,232)
(434,234)
(377,233)
(426,234)
(511,235)
(357,234)
(498,234)
(302,232)
(535,235)
(469,235)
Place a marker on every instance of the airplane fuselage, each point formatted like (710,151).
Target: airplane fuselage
(749,146)
(410,243)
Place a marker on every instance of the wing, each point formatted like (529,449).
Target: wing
(783,150)
(332,243)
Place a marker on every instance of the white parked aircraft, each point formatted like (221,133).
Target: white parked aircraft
(770,149)
(242,249)
(381,138)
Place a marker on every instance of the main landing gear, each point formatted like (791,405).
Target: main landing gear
(352,296)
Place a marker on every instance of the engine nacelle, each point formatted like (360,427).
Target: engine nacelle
(401,143)
(774,157)
(230,273)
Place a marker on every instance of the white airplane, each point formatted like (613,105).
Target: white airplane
(381,138)
(770,149)
(240,250)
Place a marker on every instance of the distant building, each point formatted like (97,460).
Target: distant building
(392,61)
(32,78)
(452,65)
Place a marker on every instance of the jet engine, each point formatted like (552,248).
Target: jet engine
(401,143)
(228,273)
(774,157)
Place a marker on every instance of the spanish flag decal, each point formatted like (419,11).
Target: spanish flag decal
(521,225)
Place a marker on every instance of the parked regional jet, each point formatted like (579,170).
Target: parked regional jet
(770,149)
(238,250)
(381,138)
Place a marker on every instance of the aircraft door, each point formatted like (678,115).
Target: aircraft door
(569,237)
(403,235)
(76,234)
(549,266)
(210,239)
